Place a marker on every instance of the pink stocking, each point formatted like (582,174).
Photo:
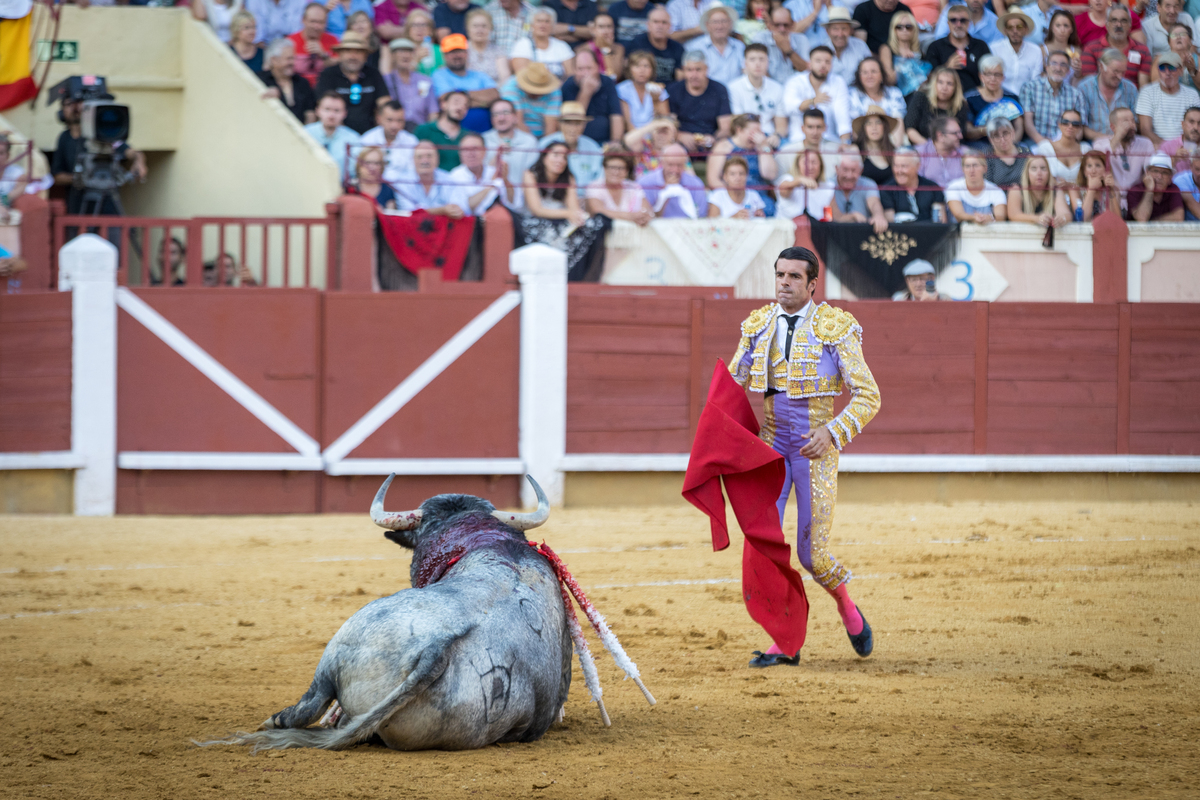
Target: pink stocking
(847,610)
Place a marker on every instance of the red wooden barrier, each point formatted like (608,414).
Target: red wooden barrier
(35,372)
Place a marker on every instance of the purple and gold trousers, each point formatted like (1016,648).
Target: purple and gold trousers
(785,421)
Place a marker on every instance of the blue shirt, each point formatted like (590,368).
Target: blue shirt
(336,21)
(336,145)
(444,80)
(603,104)
(985,29)
(276,21)
(1186,182)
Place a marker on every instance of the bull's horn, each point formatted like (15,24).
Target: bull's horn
(524,522)
(394,520)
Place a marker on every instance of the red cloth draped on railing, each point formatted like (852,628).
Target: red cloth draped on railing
(428,241)
(727,448)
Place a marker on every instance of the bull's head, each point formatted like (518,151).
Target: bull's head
(408,520)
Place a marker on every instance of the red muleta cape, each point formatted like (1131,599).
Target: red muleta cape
(727,447)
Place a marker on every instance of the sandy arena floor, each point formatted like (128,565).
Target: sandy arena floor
(1022,650)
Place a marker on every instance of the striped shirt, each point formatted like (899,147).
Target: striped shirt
(1166,110)
(507,30)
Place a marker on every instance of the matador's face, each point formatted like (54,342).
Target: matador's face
(793,289)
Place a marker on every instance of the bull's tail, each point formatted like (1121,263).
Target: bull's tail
(430,663)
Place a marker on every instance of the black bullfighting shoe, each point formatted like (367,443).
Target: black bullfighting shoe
(774,659)
(863,642)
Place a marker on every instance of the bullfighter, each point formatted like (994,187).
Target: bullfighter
(801,354)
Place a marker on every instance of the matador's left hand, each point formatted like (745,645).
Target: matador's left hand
(822,440)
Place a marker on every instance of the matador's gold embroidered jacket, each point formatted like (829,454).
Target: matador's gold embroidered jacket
(826,356)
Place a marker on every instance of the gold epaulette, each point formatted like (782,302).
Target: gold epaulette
(757,320)
(832,325)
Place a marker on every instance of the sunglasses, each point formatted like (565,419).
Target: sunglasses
(959,20)
(904,27)
(1071,123)
(1167,68)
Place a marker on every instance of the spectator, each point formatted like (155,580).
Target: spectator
(1034,198)
(1042,12)
(1128,152)
(553,215)
(755,93)
(1157,27)
(630,17)
(748,143)
(537,97)
(686,18)
(673,191)
(244,40)
(511,147)
(418,28)
(1161,106)
(808,193)
(959,51)
(941,98)
(875,134)
(723,55)
(362,24)
(1022,59)
(597,93)
(281,82)
(361,86)
(543,48)
(616,196)
(868,89)
(432,190)
(855,198)
(313,45)
(809,17)
(390,16)
(1093,23)
(848,49)
(483,55)
(397,143)
(941,155)
(754,19)
(972,198)
(919,277)
(817,88)
(410,88)
(1182,147)
(641,98)
(657,41)
(275,19)
(909,197)
(331,134)
(1062,38)
(701,106)
(787,50)
(1065,154)
(481,183)
(369,181)
(1045,99)
(573,18)
(510,20)
(1008,156)
(585,154)
(981,22)
(341,12)
(609,53)
(901,55)
(733,200)
(481,91)
(815,137)
(1099,185)
(650,141)
(225,271)
(447,130)
(13,179)
(875,20)
(1186,183)
(990,100)
(451,17)
(170,263)
(1181,45)
(1137,55)
(218,14)
(1105,92)
(1157,199)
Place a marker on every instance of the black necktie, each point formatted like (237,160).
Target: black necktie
(787,343)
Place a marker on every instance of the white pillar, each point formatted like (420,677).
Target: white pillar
(88,269)
(542,271)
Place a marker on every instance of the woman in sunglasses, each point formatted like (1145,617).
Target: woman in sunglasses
(901,56)
(1065,154)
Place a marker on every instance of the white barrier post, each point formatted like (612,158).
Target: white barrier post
(542,271)
(88,269)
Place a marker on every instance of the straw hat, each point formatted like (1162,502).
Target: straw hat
(1003,19)
(839,14)
(352,41)
(874,111)
(535,78)
(574,111)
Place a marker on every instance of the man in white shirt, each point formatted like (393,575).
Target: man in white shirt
(1158,27)
(432,189)
(848,49)
(816,88)
(480,182)
(787,50)
(1161,106)
(396,142)
(723,55)
(516,148)
(1022,59)
(685,18)
(755,93)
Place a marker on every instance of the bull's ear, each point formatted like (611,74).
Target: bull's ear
(402,538)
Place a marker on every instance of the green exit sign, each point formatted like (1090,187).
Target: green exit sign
(57,51)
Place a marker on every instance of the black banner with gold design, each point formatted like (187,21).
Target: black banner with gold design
(871,265)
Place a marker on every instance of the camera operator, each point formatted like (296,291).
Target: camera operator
(68,150)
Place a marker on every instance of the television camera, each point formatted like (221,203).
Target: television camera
(104,127)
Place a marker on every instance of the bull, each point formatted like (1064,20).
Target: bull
(477,652)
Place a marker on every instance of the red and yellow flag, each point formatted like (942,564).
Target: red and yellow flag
(16,82)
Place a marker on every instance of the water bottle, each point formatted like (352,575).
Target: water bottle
(1079,211)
